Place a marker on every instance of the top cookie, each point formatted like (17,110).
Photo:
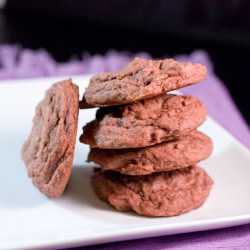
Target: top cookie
(48,152)
(140,79)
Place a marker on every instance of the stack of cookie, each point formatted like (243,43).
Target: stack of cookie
(145,140)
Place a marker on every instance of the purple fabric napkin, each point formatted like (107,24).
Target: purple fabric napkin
(227,238)
(16,62)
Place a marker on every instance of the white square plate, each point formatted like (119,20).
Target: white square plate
(31,220)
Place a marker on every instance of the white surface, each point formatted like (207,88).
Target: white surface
(31,220)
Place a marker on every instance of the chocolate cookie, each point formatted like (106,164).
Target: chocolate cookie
(143,123)
(140,79)
(159,194)
(48,152)
(186,151)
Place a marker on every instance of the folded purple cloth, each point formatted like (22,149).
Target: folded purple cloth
(237,238)
(16,62)
(213,93)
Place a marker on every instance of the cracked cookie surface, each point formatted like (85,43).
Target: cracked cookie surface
(159,194)
(140,79)
(186,151)
(48,152)
(144,123)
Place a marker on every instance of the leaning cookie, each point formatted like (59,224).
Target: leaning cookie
(186,151)
(159,194)
(140,79)
(144,123)
(48,152)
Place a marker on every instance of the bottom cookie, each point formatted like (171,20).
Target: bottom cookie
(159,194)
